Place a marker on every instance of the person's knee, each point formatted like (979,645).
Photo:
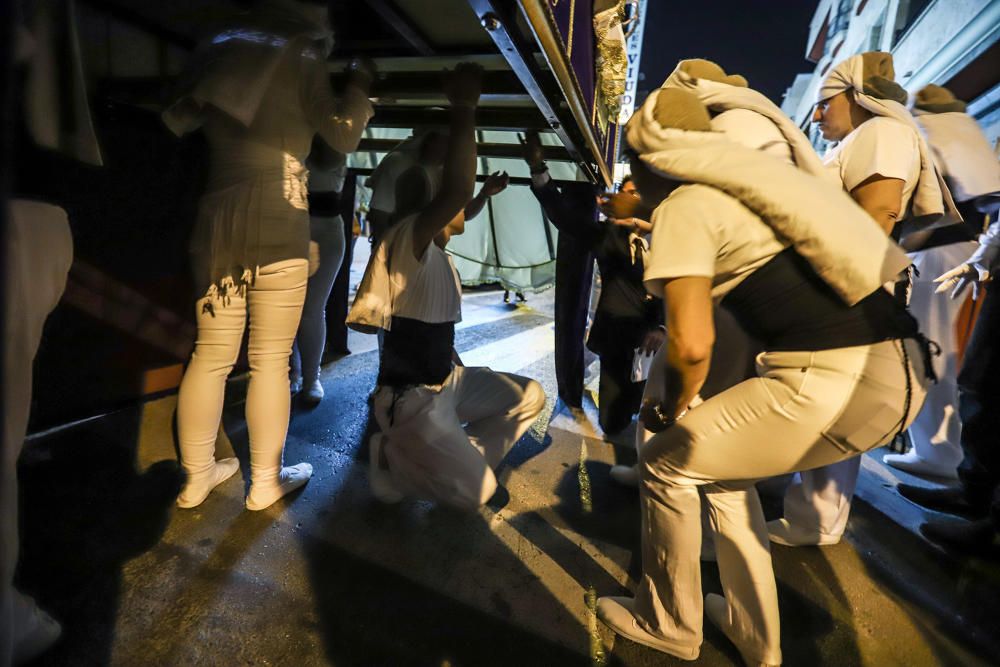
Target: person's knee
(533,399)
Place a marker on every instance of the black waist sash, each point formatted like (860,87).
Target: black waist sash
(416,352)
(326,204)
(787,306)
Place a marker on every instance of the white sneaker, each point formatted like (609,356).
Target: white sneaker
(34,631)
(313,393)
(195,493)
(913,464)
(626,475)
(289,479)
(780,531)
(380,479)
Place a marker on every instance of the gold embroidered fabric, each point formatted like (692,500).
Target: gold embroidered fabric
(611,63)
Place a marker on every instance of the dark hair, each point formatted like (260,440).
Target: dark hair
(625,181)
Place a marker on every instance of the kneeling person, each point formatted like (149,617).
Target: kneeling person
(444,427)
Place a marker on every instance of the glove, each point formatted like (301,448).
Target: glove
(961,277)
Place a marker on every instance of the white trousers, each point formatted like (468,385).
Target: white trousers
(818,502)
(937,430)
(274,303)
(39,252)
(804,410)
(327,235)
(443,444)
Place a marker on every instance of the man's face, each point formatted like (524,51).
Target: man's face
(629,188)
(834,117)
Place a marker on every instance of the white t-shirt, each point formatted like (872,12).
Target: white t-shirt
(427,289)
(881,146)
(755,131)
(701,231)
(391,168)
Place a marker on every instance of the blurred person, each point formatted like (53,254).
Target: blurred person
(38,254)
(964,156)
(977,498)
(260,91)
(444,427)
(802,268)
(626,317)
(883,162)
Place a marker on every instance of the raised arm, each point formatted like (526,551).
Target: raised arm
(494,185)
(458,179)
(340,122)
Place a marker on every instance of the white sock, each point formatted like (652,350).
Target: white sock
(198,487)
(289,479)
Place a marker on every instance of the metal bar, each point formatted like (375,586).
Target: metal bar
(514,180)
(486,119)
(494,150)
(501,24)
(402,26)
(491,62)
(538,17)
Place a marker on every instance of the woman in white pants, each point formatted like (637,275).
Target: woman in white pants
(260,94)
(842,371)
(882,161)
(444,428)
(327,245)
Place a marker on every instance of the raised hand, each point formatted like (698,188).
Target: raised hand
(961,277)
(464,85)
(495,183)
(531,144)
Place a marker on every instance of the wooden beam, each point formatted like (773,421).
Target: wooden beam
(401,25)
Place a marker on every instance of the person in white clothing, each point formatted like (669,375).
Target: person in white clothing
(260,91)
(327,245)
(972,171)
(444,428)
(882,161)
(842,371)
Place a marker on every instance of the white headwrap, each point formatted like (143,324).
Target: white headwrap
(932,204)
(826,227)
(720,97)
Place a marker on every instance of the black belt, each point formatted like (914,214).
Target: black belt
(326,204)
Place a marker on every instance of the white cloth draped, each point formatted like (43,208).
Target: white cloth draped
(723,97)
(824,225)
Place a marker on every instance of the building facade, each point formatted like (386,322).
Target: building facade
(951,43)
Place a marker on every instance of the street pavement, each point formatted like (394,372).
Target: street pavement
(331,576)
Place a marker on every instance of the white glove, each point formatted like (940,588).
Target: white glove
(961,277)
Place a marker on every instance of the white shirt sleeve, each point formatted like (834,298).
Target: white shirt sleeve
(879,146)
(685,241)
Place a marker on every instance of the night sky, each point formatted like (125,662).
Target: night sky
(764,40)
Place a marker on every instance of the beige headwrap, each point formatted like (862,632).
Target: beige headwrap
(937,99)
(721,92)
(826,227)
(870,75)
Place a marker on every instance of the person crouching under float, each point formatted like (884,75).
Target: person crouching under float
(843,369)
